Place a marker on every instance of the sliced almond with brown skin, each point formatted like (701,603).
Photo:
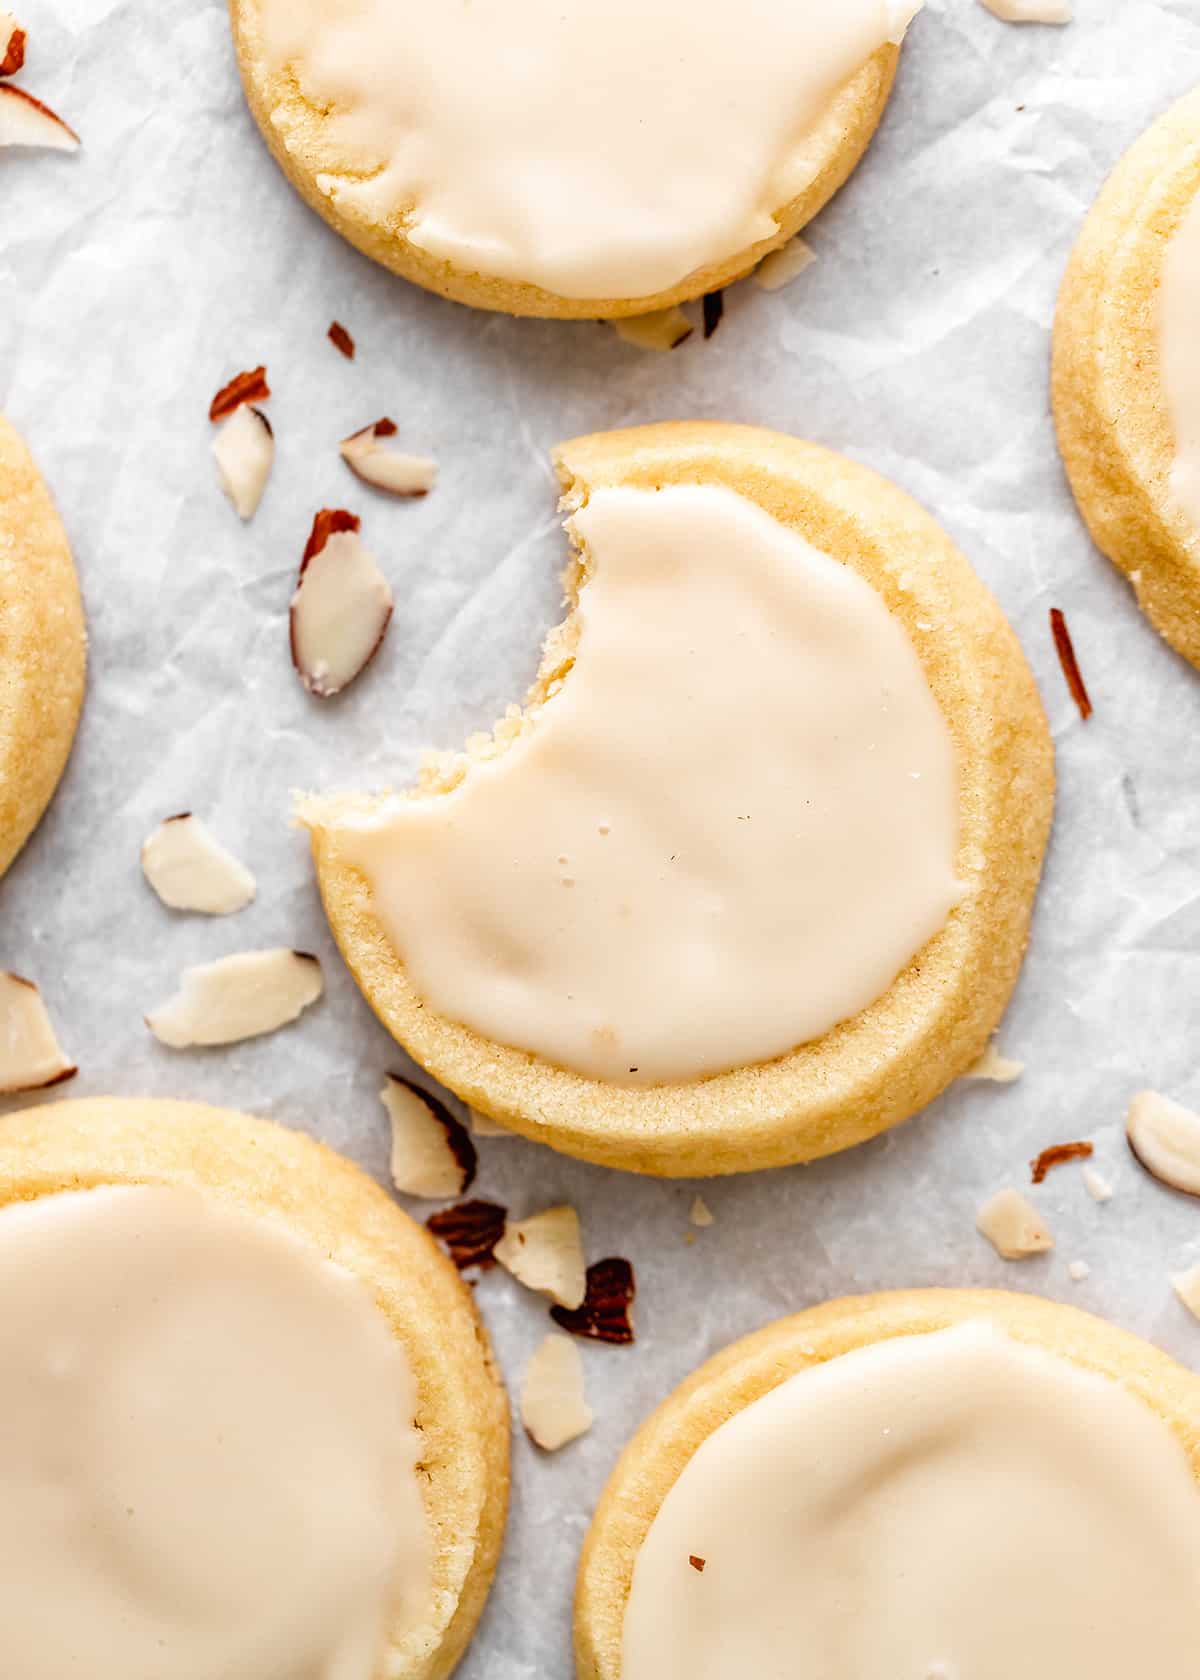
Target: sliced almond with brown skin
(341,609)
(1013,1226)
(662,329)
(248,387)
(367,455)
(553,1407)
(605,1313)
(189,869)
(1165,1138)
(25,121)
(470,1231)
(30,1055)
(238,997)
(432,1155)
(992,1065)
(12,45)
(545,1252)
(245,453)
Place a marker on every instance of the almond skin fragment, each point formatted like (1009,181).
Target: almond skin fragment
(662,329)
(238,997)
(12,45)
(553,1408)
(545,1252)
(341,340)
(25,121)
(1065,649)
(248,387)
(604,1315)
(244,450)
(31,1057)
(1056,1156)
(370,459)
(189,869)
(341,609)
(714,312)
(470,1231)
(432,1155)
(1013,1226)
(1165,1139)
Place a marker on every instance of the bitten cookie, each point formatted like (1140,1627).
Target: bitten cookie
(586,160)
(42,646)
(1127,373)
(750,878)
(249,1392)
(929,1484)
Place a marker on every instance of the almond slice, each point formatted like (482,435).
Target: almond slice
(387,469)
(662,329)
(545,1252)
(1165,1138)
(12,45)
(1057,1155)
(780,268)
(245,452)
(1013,1226)
(248,387)
(189,869)
(432,1155)
(1187,1286)
(242,996)
(553,1407)
(1031,11)
(1079,1271)
(992,1065)
(25,121)
(341,609)
(30,1055)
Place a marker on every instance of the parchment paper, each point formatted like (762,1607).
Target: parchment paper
(138,276)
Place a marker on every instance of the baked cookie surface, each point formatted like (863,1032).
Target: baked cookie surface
(251,1167)
(944,1371)
(906,1036)
(42,646)
(589,161)
(1119,334)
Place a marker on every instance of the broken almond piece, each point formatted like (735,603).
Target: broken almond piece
(1187,1286)
(12,45)
(1013,1226)
(25,121)
(470,1231)
(1079,1271)
(605,1313)
(545,1252)
(780,268)
(1165,1138)
(992,1065)
(432,1155)
(553,1408)
(1056,1156)
(245,452)
(701,1214)
(248,387)
(189,869)
(387,469)
(238,997)
(662,329)
(341,609)
(1096,1185)
(30,1055)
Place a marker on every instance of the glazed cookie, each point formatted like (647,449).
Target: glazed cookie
(264,1425)
(42,646)
(750,878)
(928,1484)
(1127,373)
(586,160)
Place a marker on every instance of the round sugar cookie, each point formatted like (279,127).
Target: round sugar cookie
(586,161)
(892,1602)
(43,648)
(255,1167)
(930,1016)
(1111,401)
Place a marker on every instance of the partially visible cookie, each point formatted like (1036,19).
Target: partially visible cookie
(262,1173)
(750,879)
(42,646)
(585,160)
(930,1483)
(1126,378)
